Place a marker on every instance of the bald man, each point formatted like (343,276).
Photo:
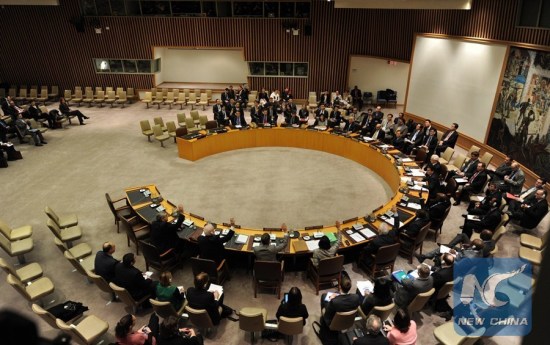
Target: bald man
(211,245)
(104,264)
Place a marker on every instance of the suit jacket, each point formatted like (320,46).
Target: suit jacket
(132,280)
(451,142)
(441,277)
(431,143)
(233,120)
(437,209)
(268,252)
(344,302)
(264,119)
(211,247)
(413,228)
(408,289)
(433,185)
(380,136)
(399,143)
(534,214)
(490,220)
(380,241)
(516,182)
(203,299)
(478,183)
(104,265)
(164,235)
(378,115)
(352,127)
(216,108)
(470,168)
(294,120)
(416,137)
(320,112)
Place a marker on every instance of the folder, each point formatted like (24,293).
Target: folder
(300,246)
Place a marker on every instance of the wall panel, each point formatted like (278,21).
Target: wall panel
(48,50)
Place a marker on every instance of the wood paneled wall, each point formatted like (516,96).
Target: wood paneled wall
(41,46)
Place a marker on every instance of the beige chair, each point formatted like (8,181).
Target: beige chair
(190,125)
(312,103)
(534,242)
(146,129)
(195,116)
(473,148)
(290,327)
(446,156)
(418,303)
(17,233)
(63,221)
(12,92)
(176,93)
(126,298)
(531,255)
(203,101)
(43,96)
(67,95)
(327,272)
(159,121)
(66,235)
(148,98)
(160,135)
(44,315)
(124,210)
(197,92)
(186,94)
(486,158)
(32,292)
(17,248)
(87,331)
(171,129)
(170,99)
(82,265)
(252,320)
(203,119)
(22,94)
(89,98)
(78,88)
(199,318)
(55,92)
(181,119)
(383,312)
(158,99)
(111,98)
(99,98)
(343,320)
(166,309)
(444,291)
(99,89)
(25,274)
(78,251)
(101,283)
(192,100)
(121,98)
(77,98)
(130,94)
(457,163)
(209,97)
(181,100)
(446,335)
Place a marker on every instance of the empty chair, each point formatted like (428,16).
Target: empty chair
(186,93)
(65,235)
(446,156)
(447,335)
(534,242)
(180,100)
(486,158)
(17,248)
(124,210)
(17,233)
(136,230)
(203,101)
(252,320)
(99,98)
(418,303)
(89,98)
(181,131)
(192,99)
(130,94)
(146,129)
(268,274)
(312,103)
(202,121)
(209,96)
(171,129)
(78,88)
(211,124)
(181,119)
(199,318)
(82,265)
(160,135)
(25,273)
(166,309)
(166,261)
(44,315)
(126,298)
(33,94)
(195,116)
(327,272)
(78,251)
(457,163)
(290,326)
(158,99)
(109,88)
(122,99)
(77,98)
(55,92)
(12,92)
(170,99)
(22,94)
(67,95)
(159,121)
(216,273)
(190,125)
(43,97)
(111,98)
(531,255)
(98,89)
(147,99)
(88,329)
(33,292)
(101,283)
(383,259)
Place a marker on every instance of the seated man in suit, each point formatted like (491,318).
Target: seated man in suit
(414,139)
(211,245)
(408,289)
(164,234)
(514,182)
(437,207)
(486,237)
(468,169)
(335,118)
(488,221)
(25,129)
(527,197)
(267,252)
(237,120)
(474,185)
(368,124)
(351,126)
(502,170)
(530,214)
(265,118)
(412,229)
(448,139)
(342,302)
(325,250)
(429,142)
(385,237)
(482,207)
(443,271)
(432,183)
(398,142)
(434,164)
(132,279)
(373,325)
(37,114)
(293,121)
(104,263)
(378,133)
(321,111)
(199,297)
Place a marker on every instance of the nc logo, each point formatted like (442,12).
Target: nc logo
(487,290)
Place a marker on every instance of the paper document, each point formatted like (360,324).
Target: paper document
(241,239)
(472,217)
(417,173)
(461,180)
(406,160)
(357,237)
(368,233)
(330,295)
(188,222)
(414,205)
(312,245)
(216,287)
(255,244)
(147,274)
(444,249)
(391,221)
(415,187)
(365,286)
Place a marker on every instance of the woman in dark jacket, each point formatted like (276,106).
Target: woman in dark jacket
(292,306)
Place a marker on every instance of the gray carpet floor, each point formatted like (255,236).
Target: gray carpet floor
(259,187)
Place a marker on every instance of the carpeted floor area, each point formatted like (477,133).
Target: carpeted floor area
(259,187)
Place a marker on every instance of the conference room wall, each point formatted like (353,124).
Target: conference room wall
(40,44)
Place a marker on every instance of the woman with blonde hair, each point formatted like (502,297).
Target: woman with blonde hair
(166,292)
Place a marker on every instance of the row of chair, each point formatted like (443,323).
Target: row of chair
(176,98)
(32,94)
(532,248)
(162,132)
(100,97)
(16,242)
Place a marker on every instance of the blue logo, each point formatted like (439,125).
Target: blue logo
(492,296)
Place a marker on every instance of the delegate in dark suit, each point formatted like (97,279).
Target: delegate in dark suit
(104,265)
(352,127)
(343,302)
(130,278)
(203,299)
(408,289)
(447,140)
(238,121)
(211,246)
(488,221)
(441,277)
(164,235)
(533,214)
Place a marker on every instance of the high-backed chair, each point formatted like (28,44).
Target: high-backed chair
(101,283)
(124,210)
(203,119)
(328,271)
(78,251)
(312,103)
(444,291)
(159,121)
(217,273)
(203,101)
(531,255)
(457,163)
(87,330)
(22,94)
(55,92)
(77,97)
(44,315)
(17,248)
(269,274)
(437,223)
(191,125)
(82,265)
(160,135)
(171,129)
(99,98)
(252,320)
(181,119)
(211,124)
(290,326)
(66,235)
(33,292)
(446,156)
(17,233)
(199,318)
(146,129)
(383,312)
(446,335)
(170,99)
(195,116)
(166,261)
(136,230)
(121,98)
(209,96)
(421,156)
(25,274)
(62,221)
(181,100)
(166,309)
(409,245)
(89,97)
(147,99)
(158,99)
(192,100)
(343,320)
(486,158)
(384,259)
(126,298)
(180,132)
(43,97)
(111,98)
(418,303)
(130,94)
(534,242)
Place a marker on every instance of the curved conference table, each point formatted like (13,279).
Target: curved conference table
(368,154)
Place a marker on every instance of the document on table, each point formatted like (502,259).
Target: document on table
(216,287)
(255,244)
(368,233)
(365,286)
(312,245)
(415,187)
(417,173)
(406,160)
(241,239)
(330,295)
(414,206)
(391,221)
(357,237)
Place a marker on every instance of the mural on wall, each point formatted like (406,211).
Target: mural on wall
(520,126)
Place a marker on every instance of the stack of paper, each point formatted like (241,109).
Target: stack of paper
(365,286)
(417,173)
(188,222)
(414,206)
(241,239)
(357,237)
(216,287)
(312,245)
(368,233)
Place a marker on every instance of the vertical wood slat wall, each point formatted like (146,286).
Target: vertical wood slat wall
(41,46)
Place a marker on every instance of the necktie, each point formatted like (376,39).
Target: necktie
(527,192)
(473,177)
(414,136)
(448,136)
(428,141)
(512,176)
(238,121)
